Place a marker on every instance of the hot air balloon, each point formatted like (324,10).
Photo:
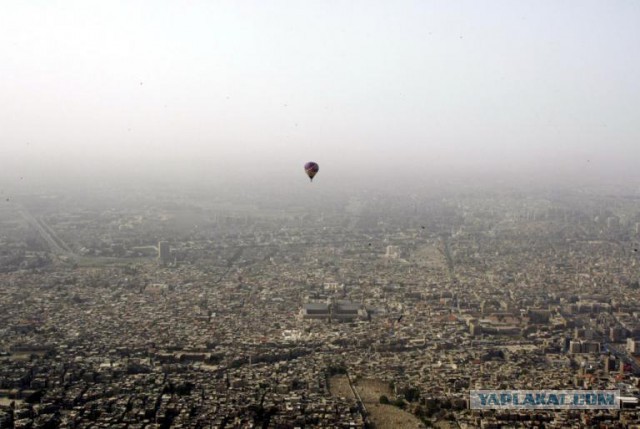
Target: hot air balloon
(311,168)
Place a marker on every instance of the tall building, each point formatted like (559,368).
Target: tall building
(613,222)
(316,310)
(633,346)
(164,254)
(616,334)
(578,346)
(393,252)
(475,329)
(337,311)
(539,315)
(609,364)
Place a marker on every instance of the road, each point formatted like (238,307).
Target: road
(361,406)
(56,245)
(624,356)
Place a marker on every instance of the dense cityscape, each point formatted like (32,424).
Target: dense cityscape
(319,214)
(157,309)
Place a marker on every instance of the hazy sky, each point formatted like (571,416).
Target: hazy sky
(361,87)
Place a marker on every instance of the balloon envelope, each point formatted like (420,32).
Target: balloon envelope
(311,168)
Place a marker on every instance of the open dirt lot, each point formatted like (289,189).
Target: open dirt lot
(339,386)
(389,417)
(382,416)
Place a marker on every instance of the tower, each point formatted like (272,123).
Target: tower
(609,364)
(164,254)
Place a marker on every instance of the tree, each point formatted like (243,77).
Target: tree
(399,403)
(412,394)
(337,369)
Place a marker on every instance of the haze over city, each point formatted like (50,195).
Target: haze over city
(233,90)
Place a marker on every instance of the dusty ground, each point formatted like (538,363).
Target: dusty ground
(430,256)
(445,425)
(384,416)
(339,386)
(370,390)
(390,417)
